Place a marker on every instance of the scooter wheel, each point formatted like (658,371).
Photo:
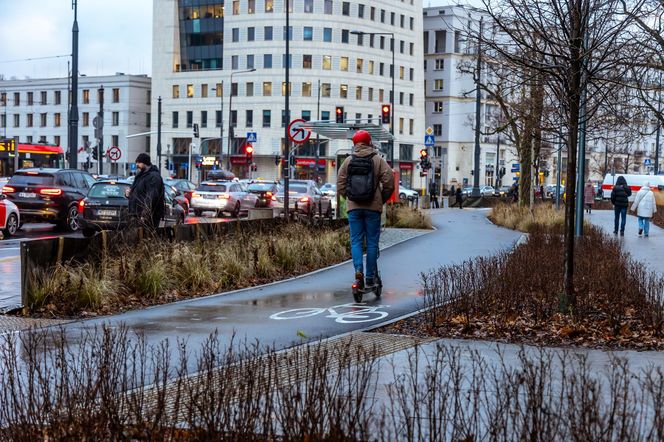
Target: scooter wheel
(357,295)
(379,290)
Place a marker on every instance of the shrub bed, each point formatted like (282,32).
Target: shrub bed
(401,216)
(523,219)
(158,271)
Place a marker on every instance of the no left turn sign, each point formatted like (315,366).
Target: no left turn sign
(114,153)
(297,133)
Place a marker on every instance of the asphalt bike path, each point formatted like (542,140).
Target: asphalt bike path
(318,305)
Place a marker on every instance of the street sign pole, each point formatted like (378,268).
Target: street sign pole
(100,123)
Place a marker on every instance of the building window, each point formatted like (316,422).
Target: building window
(148,119)
(308,34)
(400,126)
(42,120)
(437,106)
(30,98)
(234,89)
(438,85)
(176,91)
(328,7)
(401,95)
(251,33)
(290,60)
(115,119)
(86,119)
(344,35)
(359,65)
(371,40)
(412,23)
(326,89)
(360,39)
(440,64)
(327,34)
(190,119)
(381,95)
(306,89)
(381,69)
(218,90)
(235,35)
(306,115)
(358,92)
(284,119)
(382,15)
(343,64)
(249,89)
(382,42)
(116,95)
(283,88)
(56,119)
(327,62)
(236,7)
(17,120)
(3,98)
(251,6)
(290,5)
(267,33)
(402,73)
(250,61)
(306,61)
(392,17)
(325,115)
(457,41)
(411,100)
(43,97)
(309,6)
(441,37)
(56,140)
(438,130)
(175,119)
(203,118)
(411,74)
(290,33)
(402,21)
(343,91)
(190,91)
(402,45)
(267,88)
(249,118)
(204,90)
(233,118)
(217,118)
(267,117)
(235,61)
(411,127)
(17,98)
(360,10)
(115,140)
(30,121)
(267,61)
(411,49)
(371,94)
(86,96)
(345,8)
(370,70)
(269,6)
(3,120)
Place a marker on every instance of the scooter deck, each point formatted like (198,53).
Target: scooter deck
(358,293)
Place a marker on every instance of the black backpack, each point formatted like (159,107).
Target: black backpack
(360,186)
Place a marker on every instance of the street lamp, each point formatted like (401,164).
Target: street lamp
(394,71)
(230,119)
(220,90)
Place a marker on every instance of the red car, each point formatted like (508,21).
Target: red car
(183,186)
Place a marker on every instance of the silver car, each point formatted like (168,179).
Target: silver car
(222,196)
(308,199)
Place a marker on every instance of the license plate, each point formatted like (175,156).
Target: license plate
(107,212)
(27,195)
(209,197)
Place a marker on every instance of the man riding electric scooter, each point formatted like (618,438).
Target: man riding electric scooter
(366,181)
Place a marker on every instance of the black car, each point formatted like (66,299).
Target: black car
(106,208)
(49,195)
(265,191)
(183,186)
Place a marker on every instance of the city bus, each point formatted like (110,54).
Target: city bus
(30,155)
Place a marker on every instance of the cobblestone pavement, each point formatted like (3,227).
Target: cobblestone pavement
(10,324)
(392,236)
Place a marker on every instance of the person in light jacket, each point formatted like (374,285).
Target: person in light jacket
(589,196)
(645,207)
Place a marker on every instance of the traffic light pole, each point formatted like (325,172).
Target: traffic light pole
(73,112)
(478,102)
(159,132)
(287,110)
(100,143)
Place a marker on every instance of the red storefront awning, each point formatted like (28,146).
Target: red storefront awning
(40,148)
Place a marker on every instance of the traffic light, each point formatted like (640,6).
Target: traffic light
(424,159)
(277,160)
(196,133)
(385,114)
(249,153)
(94,153)
(339,114)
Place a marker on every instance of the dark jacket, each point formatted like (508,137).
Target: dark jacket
(621,193)
(146,199)
(459,194)
(382,176)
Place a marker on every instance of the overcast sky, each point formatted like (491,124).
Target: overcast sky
(114,36)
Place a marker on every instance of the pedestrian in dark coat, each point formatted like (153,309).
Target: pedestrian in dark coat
(433,191)
(458,200)
(620,200)
(146,197)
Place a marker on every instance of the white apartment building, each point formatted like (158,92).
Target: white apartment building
(450,102)
(200,45)
(36,110)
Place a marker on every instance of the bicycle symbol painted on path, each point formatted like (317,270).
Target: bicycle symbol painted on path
(343,314)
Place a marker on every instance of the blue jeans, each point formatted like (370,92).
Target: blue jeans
(622,213)
(644,224)
(364,225)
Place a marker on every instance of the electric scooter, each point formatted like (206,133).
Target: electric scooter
(377,289)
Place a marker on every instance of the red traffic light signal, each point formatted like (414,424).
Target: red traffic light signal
(424,153)
(249,150)
(249,153)
(339,114)
(385,114)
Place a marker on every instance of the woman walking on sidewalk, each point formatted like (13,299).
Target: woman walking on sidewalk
(589,196)
(620,200)
(645,207)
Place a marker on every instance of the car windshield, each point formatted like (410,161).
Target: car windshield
(108,190)
(212,188)
(260,186)
(32,179)
(297,189)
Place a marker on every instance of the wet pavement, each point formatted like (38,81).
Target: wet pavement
(320,304)
(648,250)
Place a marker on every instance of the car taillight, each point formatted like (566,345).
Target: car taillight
(223,196)
(274,197)
(8,189)
(81,206)
(304,199)
(195,195)
(50,192)
(268,194)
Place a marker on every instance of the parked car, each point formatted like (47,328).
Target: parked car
(222,196)
(406,193)
(502,191)
(184,186)
(107,208)
(550,190)
(264,190)
(329,189)
(177,196)
(10,217)
(308,199)
(467,191)
(487,190)
(49,195)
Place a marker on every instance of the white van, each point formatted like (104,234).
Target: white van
(635,182)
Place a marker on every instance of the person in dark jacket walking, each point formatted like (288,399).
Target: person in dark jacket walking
(433,191)
(458,198)
(146,197)
(620,200)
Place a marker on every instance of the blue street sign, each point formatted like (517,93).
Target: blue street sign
(429,140)
(647,162)
(133,167)
(184,165)
(516,167)
(251,137)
